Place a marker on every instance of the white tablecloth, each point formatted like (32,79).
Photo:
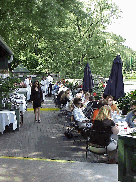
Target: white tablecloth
(21,100)
(22,104)
(120,121)
(7,117)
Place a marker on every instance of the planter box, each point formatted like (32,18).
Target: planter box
(127,158)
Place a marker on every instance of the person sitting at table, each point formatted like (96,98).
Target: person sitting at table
(113,106)
(36,97)
(81,95)
(56,87)
(57,100)
(131,116)
(62,87)
(65,97)
(91,106)
(104,122)
(79,116)
(93,102)
(101,103)
(86,99)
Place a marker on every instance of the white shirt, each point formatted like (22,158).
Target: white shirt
(49,79)
(43,83)
(26,82)
(62,89)
(79,115)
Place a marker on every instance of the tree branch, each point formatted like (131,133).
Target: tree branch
(89,28)
(83,55)
(79,29)
(95,57)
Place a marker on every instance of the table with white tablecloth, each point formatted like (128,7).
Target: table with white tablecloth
(22,104)
(22,91)
(6,118)
(20,100)
(120,121)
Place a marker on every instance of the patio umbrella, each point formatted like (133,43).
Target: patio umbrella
(115,85)
(88,79)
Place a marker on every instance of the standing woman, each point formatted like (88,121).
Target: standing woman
(36,97)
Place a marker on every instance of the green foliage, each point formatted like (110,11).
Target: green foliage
(72,85)
(98,88)
(62,36)
(130,75)
(125,103)
(8,85)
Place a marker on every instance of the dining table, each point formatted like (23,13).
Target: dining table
(6,118)
(120,122)
(21,102)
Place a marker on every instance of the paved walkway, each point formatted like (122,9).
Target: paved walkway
(46,140)
(13,170)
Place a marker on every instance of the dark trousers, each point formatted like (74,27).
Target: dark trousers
(50,90)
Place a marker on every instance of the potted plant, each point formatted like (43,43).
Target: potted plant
(124,103)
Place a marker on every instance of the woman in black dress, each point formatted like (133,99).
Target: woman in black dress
(36,97)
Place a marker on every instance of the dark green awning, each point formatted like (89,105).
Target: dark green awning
(20,69)
(5,46)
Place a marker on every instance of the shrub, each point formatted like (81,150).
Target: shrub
(124,103)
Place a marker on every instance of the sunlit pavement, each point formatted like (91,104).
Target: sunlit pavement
(43,171)
(51,150)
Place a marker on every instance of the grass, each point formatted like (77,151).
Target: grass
(131,80)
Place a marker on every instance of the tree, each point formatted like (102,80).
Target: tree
(61,36)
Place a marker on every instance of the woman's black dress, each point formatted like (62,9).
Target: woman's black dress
(36,97)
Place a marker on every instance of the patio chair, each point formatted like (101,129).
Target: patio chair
(73,126)
(98,140)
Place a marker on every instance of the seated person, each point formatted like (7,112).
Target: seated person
(79,116)
(88,111)
(56,87)
(62,88)
(103,122)
(101,103)
(59,97)
(80,94)
(91,107)
(94,102)
(65,97)
(69,104)
(86,99)
(113,106)
(131,116)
